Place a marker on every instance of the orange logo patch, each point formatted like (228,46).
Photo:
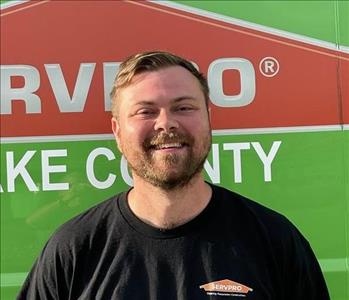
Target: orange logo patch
(226,287)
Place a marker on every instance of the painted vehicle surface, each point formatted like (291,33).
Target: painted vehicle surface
(279,78)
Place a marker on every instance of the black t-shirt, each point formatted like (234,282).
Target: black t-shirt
(233,248)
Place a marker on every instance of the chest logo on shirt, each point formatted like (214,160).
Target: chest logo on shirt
(226,287)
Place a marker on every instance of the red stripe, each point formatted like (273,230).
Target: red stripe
(304,92)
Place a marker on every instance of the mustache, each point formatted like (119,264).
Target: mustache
(167,138)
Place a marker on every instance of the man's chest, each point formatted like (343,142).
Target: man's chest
(171,269)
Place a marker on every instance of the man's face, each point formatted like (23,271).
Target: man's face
(163,127)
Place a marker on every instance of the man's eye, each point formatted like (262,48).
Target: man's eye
(185,108)
(145,112)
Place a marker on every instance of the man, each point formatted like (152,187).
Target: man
(173,235)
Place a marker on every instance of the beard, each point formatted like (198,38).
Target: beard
(169,171)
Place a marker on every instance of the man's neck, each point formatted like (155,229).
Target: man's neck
(168,209)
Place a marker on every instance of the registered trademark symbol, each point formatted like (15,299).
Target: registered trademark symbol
(269,66)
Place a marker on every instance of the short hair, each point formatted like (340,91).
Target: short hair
(148,62)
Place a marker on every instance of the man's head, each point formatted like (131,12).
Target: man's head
(148,62)
(160,118)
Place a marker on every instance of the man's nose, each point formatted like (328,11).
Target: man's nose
(165,121)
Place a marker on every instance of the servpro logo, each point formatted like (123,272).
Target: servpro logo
(226,287)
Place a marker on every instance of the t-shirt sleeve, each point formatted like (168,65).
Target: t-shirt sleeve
(49,276)
(303,278)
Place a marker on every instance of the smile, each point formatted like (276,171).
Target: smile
(168,146)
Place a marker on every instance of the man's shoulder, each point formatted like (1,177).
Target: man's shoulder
(254,214)
(92,223)
(236,201)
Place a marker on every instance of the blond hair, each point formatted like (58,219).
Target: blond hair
(148,62)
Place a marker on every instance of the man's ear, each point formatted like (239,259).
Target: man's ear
(116,131)
(209,112)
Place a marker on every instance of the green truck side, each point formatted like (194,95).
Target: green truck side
(293,160)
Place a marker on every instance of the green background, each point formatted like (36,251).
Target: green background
(308,185)
(323,20)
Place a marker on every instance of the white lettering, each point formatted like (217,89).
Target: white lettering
(237,147)
(267,159)
(124,171)
(90,168)
(247,80)
(20,169)
(60,90)
(77,102)
(8,94)
(229,287)
(47,169)
(269,67)
(109,73)
(213,171)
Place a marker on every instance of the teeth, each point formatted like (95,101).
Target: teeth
(173,145)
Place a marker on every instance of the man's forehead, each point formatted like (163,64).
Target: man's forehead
(162,88)
(153,102)
(163,74)
(174,79)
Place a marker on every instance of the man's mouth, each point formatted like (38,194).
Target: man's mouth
(168,146)
(168,142)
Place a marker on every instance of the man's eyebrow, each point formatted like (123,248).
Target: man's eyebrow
(175,100)
(145,103)
(179,99)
